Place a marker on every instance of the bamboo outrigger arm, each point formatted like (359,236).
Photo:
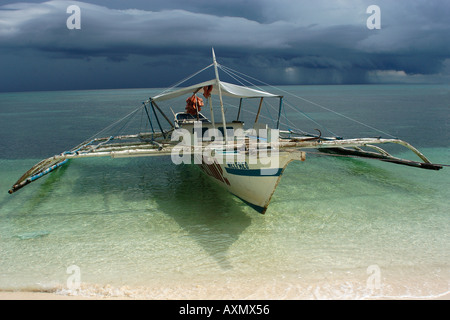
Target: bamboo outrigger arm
(342,147)
(145,146)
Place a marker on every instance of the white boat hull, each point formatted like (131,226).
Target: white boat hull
(253,183)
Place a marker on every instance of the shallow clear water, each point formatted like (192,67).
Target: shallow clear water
(146,228)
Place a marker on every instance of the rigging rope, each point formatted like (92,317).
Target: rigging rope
(304,99)
(306,115)
(286,103)
(113,124)
(134,111)
(185,79)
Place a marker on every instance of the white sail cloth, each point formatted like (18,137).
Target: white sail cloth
(227,89)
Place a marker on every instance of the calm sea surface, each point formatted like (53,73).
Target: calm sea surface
(336,228)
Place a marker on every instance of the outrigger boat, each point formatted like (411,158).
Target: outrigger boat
(249,162)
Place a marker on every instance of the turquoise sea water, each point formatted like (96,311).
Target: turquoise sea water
(145,228)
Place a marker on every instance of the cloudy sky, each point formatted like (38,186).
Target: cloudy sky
(154,43)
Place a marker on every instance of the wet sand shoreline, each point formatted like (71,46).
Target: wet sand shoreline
(22,295)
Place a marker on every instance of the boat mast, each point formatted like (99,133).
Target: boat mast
(224,122)
(212,112)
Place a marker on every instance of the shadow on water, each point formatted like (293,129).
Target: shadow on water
(376,173)
(207,213)
(213,217)
(41,193)
(387,174)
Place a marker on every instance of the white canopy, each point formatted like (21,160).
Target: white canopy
(227,89)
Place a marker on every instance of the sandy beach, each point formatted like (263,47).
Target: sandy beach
(54,296)
(41,296)
(50,296)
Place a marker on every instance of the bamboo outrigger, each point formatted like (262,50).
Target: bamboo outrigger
(248,162)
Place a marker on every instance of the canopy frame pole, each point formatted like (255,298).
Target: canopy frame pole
(279,113)
(259,110)
(148,117)
(164,115)
(157,120)
(224,122)
(239,112)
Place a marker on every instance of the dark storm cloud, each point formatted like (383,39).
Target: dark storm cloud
(280,41)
